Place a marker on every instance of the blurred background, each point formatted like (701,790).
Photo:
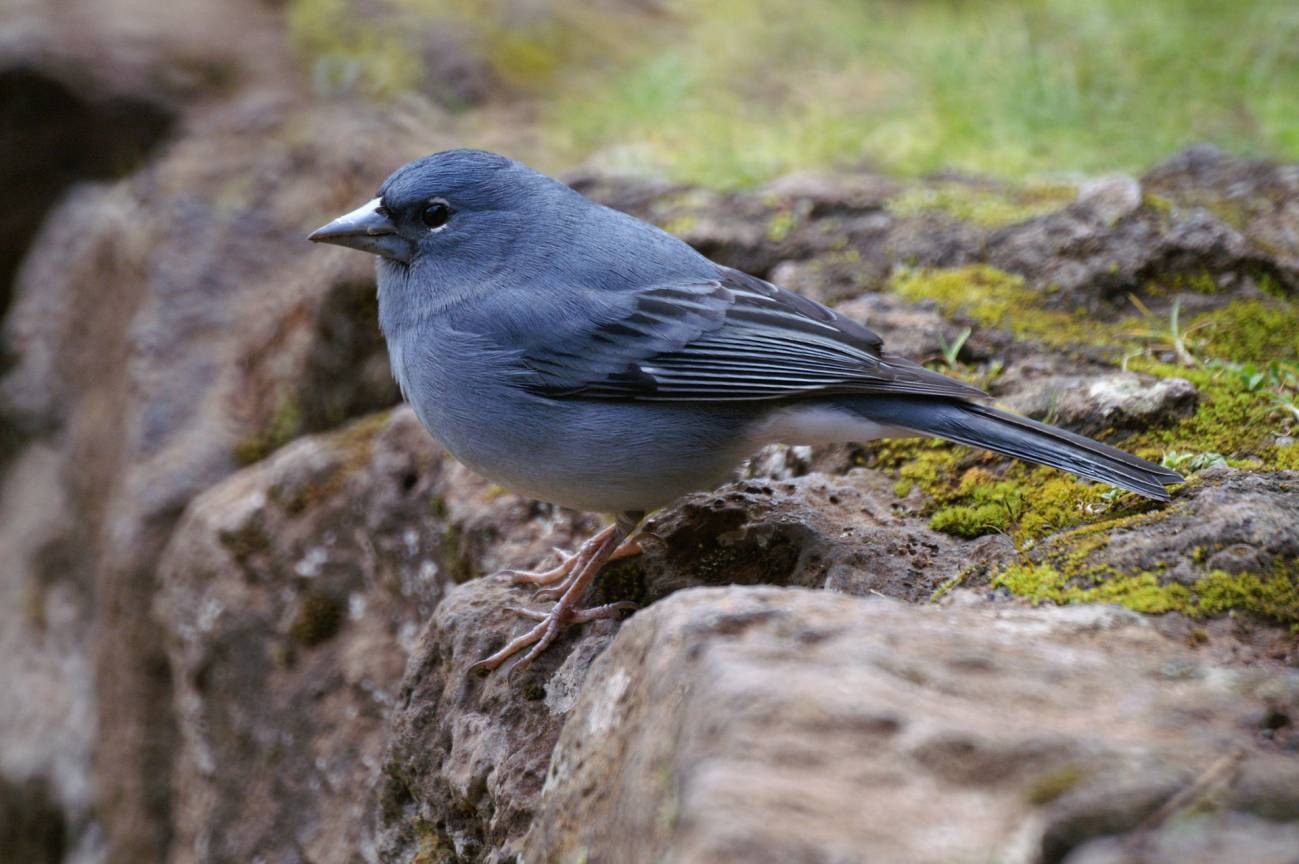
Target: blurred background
(734,93)
(166,327)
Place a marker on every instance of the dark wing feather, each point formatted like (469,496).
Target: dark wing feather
(733,338)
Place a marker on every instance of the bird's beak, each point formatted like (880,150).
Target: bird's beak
(366,228)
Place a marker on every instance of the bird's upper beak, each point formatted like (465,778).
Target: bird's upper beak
(366,228)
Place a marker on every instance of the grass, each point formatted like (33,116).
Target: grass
(731,93)
(736,92)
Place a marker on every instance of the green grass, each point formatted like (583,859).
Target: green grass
(733,93)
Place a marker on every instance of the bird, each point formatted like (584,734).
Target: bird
(574,354)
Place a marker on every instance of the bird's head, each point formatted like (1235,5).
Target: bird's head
(460,210)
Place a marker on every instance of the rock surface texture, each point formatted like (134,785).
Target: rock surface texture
(788,726)
(235,619)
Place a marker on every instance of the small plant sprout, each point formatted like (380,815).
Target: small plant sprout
(953,349)
(1175,337)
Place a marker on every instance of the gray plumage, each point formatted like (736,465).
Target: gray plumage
(580,356)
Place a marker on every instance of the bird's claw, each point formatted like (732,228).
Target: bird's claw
(579,570)
(549,626)
(544,577)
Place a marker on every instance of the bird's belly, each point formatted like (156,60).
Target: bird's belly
(590,455)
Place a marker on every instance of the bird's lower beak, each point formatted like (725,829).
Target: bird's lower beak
(366,228)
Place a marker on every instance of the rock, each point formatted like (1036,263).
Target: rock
(1260,198)
(1094,266)
(215,338)
(293,595)
(1110,240)
(843,533)
(907,329)
(465,762)
(467,755)
(170,326)
(47,723)
(1110,198)
(1226,837)
(830,194)
(1226,544)
(176,53)
(1097,405)
(1227,519)
(60,129)
(782,725)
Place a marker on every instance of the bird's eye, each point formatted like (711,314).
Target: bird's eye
(436,214)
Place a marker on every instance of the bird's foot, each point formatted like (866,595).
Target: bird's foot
(549,626)
(628,548)
(593,555)
(578,616)
(543,577)
(568,563)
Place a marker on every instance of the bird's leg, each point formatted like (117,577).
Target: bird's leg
(593,555)
(626,549)
(568,563)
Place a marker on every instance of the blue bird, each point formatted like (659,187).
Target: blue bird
(577,355)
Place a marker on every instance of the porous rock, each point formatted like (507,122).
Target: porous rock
(1227,519)
(756,724)
(167,328)
(467,756)
(291,594)
(1099,404)
(294,594)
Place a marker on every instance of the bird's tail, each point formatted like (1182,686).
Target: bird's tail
(982,426)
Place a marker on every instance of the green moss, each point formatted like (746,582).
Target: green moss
(1274,596)
(970,520)
(972,492)
(345,50)
(1242,357)
(1285,458)
(987,206)
(1055,783)
(319,617)
(1251,331)
(780,224)
(1246,356)
(1247,353)
(994,298)
(285,425)
(1141,592)
(429,848)
(1067,569)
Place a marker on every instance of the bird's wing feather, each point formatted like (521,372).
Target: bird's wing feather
(735,337)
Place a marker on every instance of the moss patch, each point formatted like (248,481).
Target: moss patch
(344,51)
(1244,359)
(969,492)
(285,425)
(1068,567)
(1274,596)
(994,298)
(986,206)
(1247,372)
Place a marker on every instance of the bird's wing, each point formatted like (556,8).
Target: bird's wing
(732,338)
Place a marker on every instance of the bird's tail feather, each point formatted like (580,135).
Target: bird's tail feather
(982,426)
